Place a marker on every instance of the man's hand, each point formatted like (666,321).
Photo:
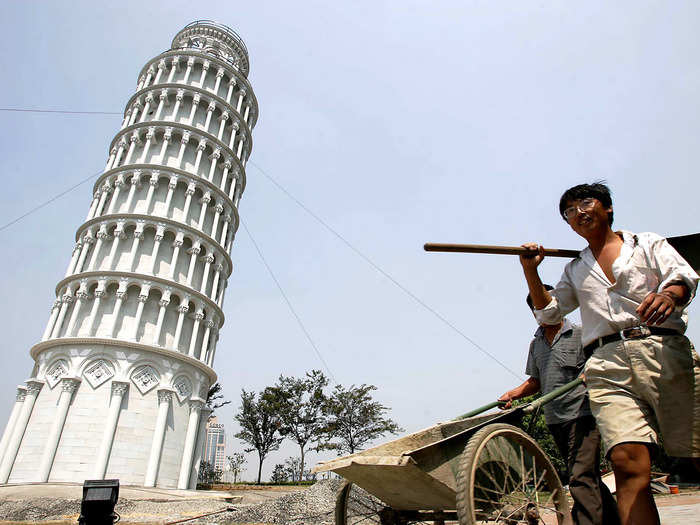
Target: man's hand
(507,399)
(533,260)
(657,307)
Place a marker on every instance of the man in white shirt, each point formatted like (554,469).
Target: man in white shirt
(643,375)
(554,359)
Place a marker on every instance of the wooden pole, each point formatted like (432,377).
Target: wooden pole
(500,250)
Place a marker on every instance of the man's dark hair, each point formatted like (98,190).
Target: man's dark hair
(597,190)
(529,299)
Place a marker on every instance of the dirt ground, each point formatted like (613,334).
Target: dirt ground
(60,504)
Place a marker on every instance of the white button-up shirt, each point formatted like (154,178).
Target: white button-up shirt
(647,263)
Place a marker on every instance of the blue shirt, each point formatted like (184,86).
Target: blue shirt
(556,365)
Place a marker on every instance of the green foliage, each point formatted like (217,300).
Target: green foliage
(236,463)
(279,474)
(215,397)
(208,474)
(299,403)
(259,420)
(353,419)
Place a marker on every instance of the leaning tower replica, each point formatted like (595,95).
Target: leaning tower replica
(122,371)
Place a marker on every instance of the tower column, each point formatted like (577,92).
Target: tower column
(67,299)
(99,294)
(8,460)
(164,398)
(118,185)
(88,240)
(152,185)
(81,296)
(16,409)
(135,184)
(190,439)
(198,318)
(163,304)
(182,310)
(157,239)
(55,309)
(74,258)
(143,297)
(68,386)
(119,388)
(203,418)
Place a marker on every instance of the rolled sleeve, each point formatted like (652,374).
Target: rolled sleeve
(563,301)
(550,314)
(673,267)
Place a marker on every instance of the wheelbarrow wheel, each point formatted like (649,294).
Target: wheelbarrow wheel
(506,478)
(354,506)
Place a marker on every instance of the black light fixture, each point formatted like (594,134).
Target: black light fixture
(99,498)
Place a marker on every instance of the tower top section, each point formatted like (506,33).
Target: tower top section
(216,39)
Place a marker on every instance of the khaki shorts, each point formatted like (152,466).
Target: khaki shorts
(647,391)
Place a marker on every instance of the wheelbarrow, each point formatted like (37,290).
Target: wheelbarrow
(475,469)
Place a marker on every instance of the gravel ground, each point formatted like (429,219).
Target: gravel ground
(314,506)
(141,511)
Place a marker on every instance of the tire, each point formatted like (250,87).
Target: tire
(354,506)
(505,478)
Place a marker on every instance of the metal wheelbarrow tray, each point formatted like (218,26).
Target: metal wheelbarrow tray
(477,469)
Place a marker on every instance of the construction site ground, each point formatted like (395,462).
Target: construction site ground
(59,503)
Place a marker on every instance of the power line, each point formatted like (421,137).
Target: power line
(65,112)
(312,214)
(46,203)
(289,303)
(385,274)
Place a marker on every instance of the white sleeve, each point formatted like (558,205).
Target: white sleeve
(672,267)
(563,301)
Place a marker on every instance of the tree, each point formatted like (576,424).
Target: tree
(300,404)
(291,464)
(279,474)
(353,419)
(208,474)
(213,396)
(259,423)
(236,463)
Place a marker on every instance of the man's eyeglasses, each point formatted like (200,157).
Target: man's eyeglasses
(583,205)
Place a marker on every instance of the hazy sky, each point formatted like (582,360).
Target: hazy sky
(397,123)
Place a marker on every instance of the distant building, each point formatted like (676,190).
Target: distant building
(215,445)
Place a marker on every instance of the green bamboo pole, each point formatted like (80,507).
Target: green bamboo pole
(553,394)
(479,410)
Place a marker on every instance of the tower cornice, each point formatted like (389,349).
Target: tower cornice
(196,54)
(133,277)
(42,346)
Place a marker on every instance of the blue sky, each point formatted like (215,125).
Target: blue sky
(397,123)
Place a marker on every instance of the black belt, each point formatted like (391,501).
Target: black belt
(636,332)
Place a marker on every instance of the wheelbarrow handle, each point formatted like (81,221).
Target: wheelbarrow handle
(530,407)
(552,395)
(479,410)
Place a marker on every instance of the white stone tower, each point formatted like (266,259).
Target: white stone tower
(124,365)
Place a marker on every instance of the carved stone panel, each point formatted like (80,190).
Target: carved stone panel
(55,372)
(183,388)
(146,378)
(98,372)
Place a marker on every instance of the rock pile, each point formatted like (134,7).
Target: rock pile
(314,506)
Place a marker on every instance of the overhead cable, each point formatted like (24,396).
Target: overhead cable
(46,203)
(385,274)
(289,303)
(65,112)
